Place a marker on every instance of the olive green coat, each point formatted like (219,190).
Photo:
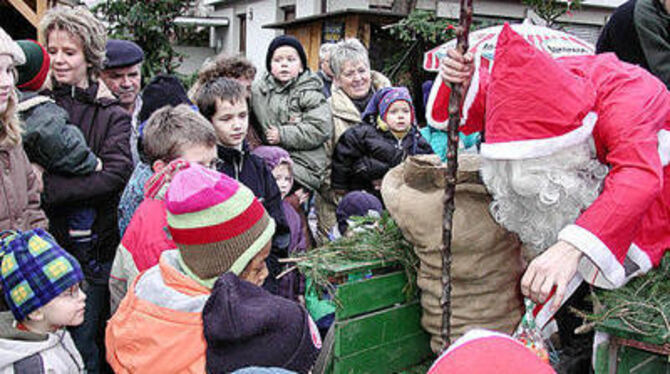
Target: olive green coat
(301,113)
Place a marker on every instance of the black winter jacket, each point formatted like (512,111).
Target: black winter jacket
(106,127)
(620,36)
(251,170)
(365,153)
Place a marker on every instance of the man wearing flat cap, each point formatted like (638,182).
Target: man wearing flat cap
(123,76)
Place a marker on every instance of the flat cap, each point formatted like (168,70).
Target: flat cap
(122,53)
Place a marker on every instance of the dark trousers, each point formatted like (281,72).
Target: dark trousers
(89,337)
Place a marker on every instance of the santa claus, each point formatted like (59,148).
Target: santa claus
(576,157)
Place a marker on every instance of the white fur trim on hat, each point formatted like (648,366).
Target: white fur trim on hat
(9,47)
(523,149)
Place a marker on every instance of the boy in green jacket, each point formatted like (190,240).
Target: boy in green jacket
(292,110)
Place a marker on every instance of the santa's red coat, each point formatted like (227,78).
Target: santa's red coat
(626,230)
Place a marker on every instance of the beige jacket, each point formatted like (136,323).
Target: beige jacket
(19,198)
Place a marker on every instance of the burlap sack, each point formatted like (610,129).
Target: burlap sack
(486,260)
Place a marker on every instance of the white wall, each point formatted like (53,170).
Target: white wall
(593,12)
(306,8)
(258,39)
(334,5)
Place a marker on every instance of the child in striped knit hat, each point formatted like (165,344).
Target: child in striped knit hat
(218,227)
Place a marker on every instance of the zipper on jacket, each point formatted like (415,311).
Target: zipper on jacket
(238,167)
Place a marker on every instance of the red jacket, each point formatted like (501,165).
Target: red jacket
(630,219)
(141,246)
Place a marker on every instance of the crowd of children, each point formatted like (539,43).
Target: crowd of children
(220,191)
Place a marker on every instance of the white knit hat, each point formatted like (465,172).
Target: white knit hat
(9,47)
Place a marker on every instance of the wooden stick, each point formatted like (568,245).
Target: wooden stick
(455,104)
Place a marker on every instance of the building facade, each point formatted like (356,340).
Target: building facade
(247,31)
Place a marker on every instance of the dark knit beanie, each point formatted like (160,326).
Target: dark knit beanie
(34,72)
(285,40)
(356,203)
(161,91)
(245,325)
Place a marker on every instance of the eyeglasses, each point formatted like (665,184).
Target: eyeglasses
(72,292)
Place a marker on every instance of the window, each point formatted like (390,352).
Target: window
(289,12)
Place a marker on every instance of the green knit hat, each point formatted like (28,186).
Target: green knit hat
(34,72)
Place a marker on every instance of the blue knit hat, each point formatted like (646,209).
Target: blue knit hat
(382,100)
(34,270)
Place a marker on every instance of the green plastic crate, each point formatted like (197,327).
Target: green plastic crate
(628,352)
(377,326)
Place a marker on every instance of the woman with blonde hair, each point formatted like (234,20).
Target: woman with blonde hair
(83,209)
(19,195)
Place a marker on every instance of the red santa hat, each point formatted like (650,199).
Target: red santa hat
(483,352)
(534,106)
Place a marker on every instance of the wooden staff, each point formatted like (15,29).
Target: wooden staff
(455,103)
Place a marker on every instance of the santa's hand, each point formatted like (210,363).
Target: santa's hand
(456,68)
(555,267)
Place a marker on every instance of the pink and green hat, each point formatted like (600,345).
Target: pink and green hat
(216,222)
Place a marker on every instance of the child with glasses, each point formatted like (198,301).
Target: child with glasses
(40,282)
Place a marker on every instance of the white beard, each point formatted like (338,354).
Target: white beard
(536,198)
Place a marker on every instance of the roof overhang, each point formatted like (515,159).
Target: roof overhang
(202,21)
(335,14)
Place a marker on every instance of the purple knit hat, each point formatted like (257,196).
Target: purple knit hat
(273,155)
(245,325)
(382,100)
(356,203)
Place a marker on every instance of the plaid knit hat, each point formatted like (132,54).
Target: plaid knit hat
(34,72)
(9,47)
(216,222)
(34,271)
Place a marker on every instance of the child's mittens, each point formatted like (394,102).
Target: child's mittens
(98,166)
(272,135)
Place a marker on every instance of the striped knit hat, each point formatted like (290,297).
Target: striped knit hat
(33,73)
(216,222)
(34,271)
